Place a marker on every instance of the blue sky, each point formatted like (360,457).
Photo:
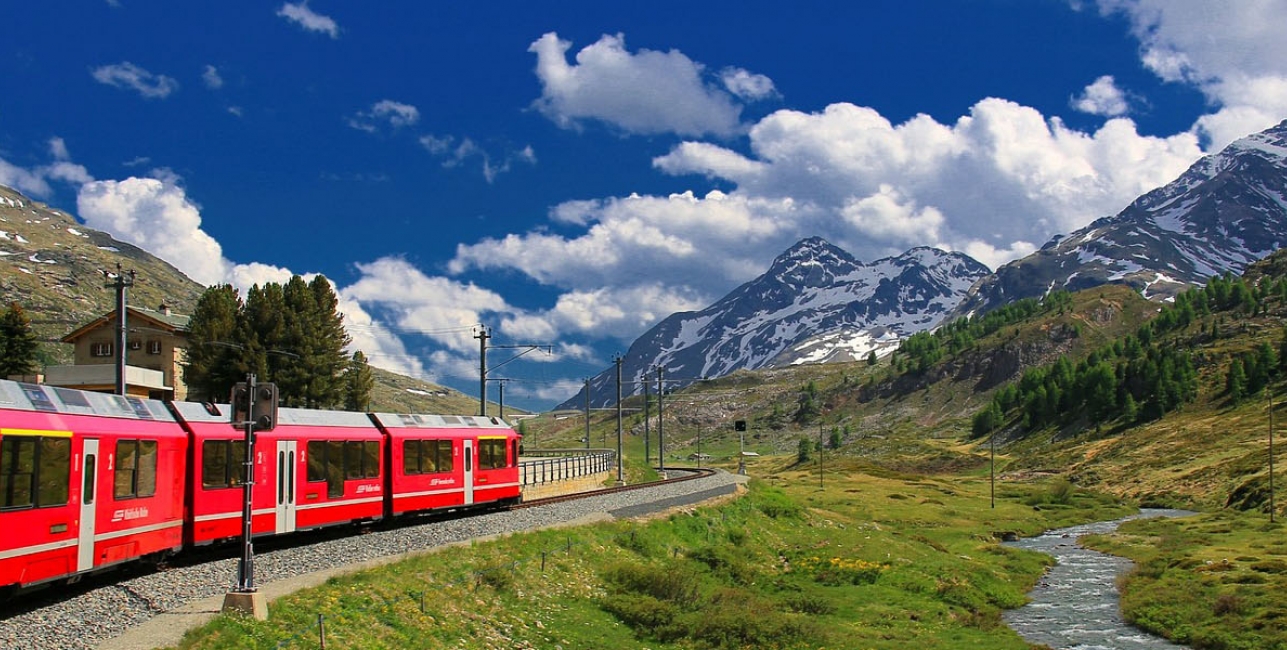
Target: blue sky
(571,173)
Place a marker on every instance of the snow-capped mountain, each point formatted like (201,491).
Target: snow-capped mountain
(813,292)
(1228,210)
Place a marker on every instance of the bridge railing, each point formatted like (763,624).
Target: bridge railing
(564,464)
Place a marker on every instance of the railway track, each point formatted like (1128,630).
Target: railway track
(94,614)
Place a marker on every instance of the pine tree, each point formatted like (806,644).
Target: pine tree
(871,358)
(358,383)
(1236,381)
(18,344)
(212,358)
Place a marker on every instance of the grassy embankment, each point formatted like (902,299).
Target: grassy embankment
(1211,581)
(871,559)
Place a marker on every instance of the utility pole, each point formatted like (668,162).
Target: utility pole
(123,281)
(1271,454)
(620,478)
(661,423)
(587,413)
(819,455)
(992,468)
(647,416)
(482,335)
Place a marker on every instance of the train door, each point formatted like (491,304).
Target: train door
(88,506)
(469,472)
(286,450)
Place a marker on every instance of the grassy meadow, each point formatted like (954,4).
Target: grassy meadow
(869,559)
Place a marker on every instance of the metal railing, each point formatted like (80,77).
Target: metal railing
(564,464)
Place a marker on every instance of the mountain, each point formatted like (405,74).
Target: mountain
(1226,211)
(812,289)
(54,267)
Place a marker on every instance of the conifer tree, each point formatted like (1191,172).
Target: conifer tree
(212,357)
(1236,381)
(18,344)
(358,383)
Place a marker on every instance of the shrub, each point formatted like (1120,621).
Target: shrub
(675,584)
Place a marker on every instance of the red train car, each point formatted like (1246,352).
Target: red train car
(87,480)
(447,461)
(314,469)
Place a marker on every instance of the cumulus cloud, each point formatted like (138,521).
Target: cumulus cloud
(311,21)
(645,92)
(1102,97)
(1233,52)
(386,111)
(994,183)
(747,85)
(132,77)
(158,217)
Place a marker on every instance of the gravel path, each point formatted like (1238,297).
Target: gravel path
(98,616)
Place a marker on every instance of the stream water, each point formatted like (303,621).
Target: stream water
(1075,606)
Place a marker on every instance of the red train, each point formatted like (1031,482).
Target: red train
(91,480)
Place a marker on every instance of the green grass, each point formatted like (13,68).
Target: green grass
(868,561)
(1210,581)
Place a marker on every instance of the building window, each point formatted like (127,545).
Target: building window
(136,345)
(100,349)
(154,347)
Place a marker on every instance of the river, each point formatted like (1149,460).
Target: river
(1075,605)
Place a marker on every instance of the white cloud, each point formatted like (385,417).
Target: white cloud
(990,184)
(889,216)
(395,114)
(1102,97)
(645,92)
(456,152)
(129,76)
(157,217)
(1233,52)
(210,75)
(300,14)
(747,85)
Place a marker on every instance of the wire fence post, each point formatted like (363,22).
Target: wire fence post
(321,630)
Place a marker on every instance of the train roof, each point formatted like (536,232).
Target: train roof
(41,398)
(199,412)
(417,421)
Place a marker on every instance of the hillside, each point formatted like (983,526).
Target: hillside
(55,268)
(896,415)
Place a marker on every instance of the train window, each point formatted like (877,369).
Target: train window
(222,463)
(34,471)
(352,459)
(317,460)
(411,457)
(18,456)
(334,468)
(513,455)
(371,459)
(491,454)
(446,462)
(423,456)
(135,469)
